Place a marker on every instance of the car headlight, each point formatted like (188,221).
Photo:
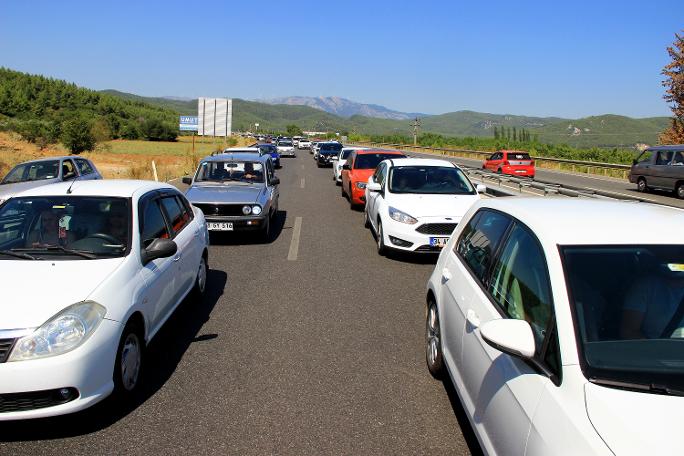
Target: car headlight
(256,210)
(246,210)
(360,185)
(403,217)
(60,334)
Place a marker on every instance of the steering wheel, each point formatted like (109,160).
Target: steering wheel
(105,237)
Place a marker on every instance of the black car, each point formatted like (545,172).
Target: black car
(327,151)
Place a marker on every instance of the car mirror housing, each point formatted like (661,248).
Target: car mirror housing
(187,180)
(373,187)
(511,336)
(346,166)
(158,248)
(481,188)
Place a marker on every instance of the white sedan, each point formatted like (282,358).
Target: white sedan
(414,204)
(286,148)
(91,271)
(561,324)
(304,144)
(340,160)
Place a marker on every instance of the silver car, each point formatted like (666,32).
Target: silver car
(236,192)
(34,173)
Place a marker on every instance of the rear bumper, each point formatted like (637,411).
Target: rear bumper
(518,170)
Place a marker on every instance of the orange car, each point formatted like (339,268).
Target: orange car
(359,167)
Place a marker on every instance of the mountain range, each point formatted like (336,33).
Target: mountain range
(343,107)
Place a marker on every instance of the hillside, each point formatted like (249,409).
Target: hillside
(343,107)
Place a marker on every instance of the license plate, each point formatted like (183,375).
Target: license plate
(219,226)
(438,241)
(520,171)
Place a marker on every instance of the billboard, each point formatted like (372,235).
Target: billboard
(215,116)
(188,123)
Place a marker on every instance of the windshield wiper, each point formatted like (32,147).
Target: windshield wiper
(58,248)
(22,255)
(645,387)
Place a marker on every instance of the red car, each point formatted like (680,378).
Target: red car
(513,162)
(359,167)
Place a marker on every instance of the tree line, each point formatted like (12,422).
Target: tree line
(513,134)
(48,111)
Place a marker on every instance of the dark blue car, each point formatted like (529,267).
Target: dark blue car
(272,150)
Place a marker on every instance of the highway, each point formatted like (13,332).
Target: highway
(310,344)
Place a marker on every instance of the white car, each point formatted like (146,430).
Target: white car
(340,160)
(414,204)
(286,149)
(559,322)
(304,144)
(91,271)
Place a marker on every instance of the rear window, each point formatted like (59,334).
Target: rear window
(519,156)
(371,161)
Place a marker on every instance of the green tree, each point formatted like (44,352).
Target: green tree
(293,130)
(674,82)
(76,136)
(156,130)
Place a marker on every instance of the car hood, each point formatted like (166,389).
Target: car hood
(224,193)
(432,205)
(34,291)
(9,190)
(634,423)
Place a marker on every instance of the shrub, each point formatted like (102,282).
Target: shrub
(77,137)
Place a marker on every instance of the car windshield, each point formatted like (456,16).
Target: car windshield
(222,171)
(330,148)
(64,227)
(628,303)
(285,143)
(371,160)
(48,169)
(429,179)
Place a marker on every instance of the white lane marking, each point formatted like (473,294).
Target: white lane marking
(303,182)
(294,243)
(302,166)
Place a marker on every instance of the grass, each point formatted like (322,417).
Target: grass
(125,159)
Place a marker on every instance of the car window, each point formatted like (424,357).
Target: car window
(664,158)
(678,159)
(382,174)
(480,239)
(645,157)
(33,171)
(176,216)
(519,282)
(83,166)
(68,170)
(153,223)
(371,160)
(269,170)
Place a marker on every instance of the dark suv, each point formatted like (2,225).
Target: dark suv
(327,151)
(660,167)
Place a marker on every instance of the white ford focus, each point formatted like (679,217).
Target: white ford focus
(91,270)
(561,325)
(414,204)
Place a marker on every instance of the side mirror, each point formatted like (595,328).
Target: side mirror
(275,181)
(187,180)
(159,248)
(511,336)
(373,187)
(481,188)
(346,166)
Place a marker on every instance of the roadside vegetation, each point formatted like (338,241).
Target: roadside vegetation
(674,93)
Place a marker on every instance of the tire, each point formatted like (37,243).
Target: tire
(433,342)
(200,288)
(642,186)
(266,230)
(351,200)
(498,171)
(342,190)
(680,190)
(366,220)
(129,361)
(380,240)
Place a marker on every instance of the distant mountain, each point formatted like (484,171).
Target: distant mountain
(343,107)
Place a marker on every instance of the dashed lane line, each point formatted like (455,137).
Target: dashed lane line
(294,243)
(302,183)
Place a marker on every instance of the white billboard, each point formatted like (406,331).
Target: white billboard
(215,116)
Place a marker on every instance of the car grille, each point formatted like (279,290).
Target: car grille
(428,248)
(5,347)
(437,228)
(21,402)
(221,209)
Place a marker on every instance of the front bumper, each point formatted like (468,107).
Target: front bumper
(402,236)
(88,370)
(243,223)
(322,161)
(358,195)
(287,153)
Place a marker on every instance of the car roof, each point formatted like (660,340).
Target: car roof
(63,157)
(581,221)
(422,162)
(241,155)
(379,151)
(106,187)
(674,148)
(507,151)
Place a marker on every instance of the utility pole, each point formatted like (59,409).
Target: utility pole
(416,125)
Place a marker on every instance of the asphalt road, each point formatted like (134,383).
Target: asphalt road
(316,349)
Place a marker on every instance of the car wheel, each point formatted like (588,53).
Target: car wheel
(129,361)
(351,200)
(642,186)
(380,240)
(498,171)
(366,220)
(201,280)
(318,164)
(680,190)
(342,190)
(433,342)
(266,230)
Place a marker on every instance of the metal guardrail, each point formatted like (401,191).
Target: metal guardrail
(606,169)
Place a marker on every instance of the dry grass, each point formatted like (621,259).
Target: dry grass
(123,159)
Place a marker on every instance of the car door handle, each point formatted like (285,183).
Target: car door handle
(177,257)
(446,274)
(473,318)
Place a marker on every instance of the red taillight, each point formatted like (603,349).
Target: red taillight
(506,163)
(532,163)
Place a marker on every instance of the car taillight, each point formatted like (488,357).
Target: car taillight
(506,163)
(531,162)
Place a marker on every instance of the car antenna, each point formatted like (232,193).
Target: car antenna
(72,184)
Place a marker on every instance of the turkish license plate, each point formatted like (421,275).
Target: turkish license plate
(219,226)
(438,241)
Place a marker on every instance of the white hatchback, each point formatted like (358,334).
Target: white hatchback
(561,325)
(414,204)
(91,271)
(339,161)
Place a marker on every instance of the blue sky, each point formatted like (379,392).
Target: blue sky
(547,58)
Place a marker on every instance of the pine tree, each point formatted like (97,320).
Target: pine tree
(674,81)
(496,132)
